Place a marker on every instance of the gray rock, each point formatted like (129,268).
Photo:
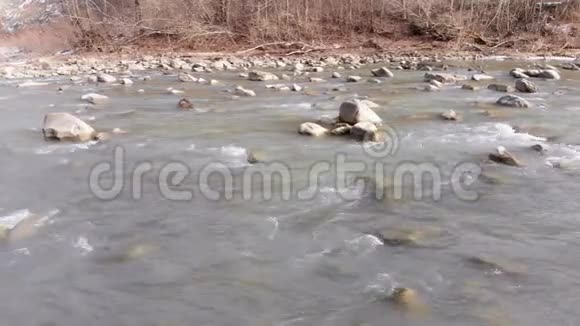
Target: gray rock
(570,66)
(480,77)
(374,81)
(296,88)
(436,83)
(470,87)
(355,111)
(315,80)
(312,129)
(444,78)
(364,131)
(317,69)
(105,78)
(94,98)
(549,74)
(518,73)
(353,79)
(526,86)
(336,75)
(126,81)
(341,130)
(500,88)
(513,101)
(64,126)
(186,78)
(502,156)
(382,72)
(240,91)
(261,76)
(450,115)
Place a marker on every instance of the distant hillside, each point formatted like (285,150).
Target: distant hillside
(14,14)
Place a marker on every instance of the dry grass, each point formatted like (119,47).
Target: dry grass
(215,23)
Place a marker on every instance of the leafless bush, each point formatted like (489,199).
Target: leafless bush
(191,22)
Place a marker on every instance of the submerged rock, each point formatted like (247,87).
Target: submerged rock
(184,104)
(500,88)
(94,98)
(261,76)
(470,87)
(240,91)
(66,127)
(312,129)
(355,111)
(496,266)
(382,72)
(513,101)
(526,86)
(186,78)
(502,156)
(408,299)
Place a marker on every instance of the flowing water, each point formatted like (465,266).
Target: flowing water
(290,261)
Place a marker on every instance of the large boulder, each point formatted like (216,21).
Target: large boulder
(524,85)
(312,129)
(105,78)
(64,126)
(513,101)
(382,72)
(355,111)
(261,76)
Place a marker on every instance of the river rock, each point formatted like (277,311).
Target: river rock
(449,115)
(341,129)
(261,76)
(64,126)
(317,69)
(240,91)
(549,74)
(364,131)
(316,80)
(408,299)
(336,75)
(94,98)
(480,77)
(355,111)
(186,78)
(570,66)
(353,79)
(470,87)
(436,83)
(312,129)
(526,86)
(382,72)
(513,101)
(105,78)
(500,88)
(126,81)
(518,73)
(184,104)
(444,78)
(296,88)
(502,156)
